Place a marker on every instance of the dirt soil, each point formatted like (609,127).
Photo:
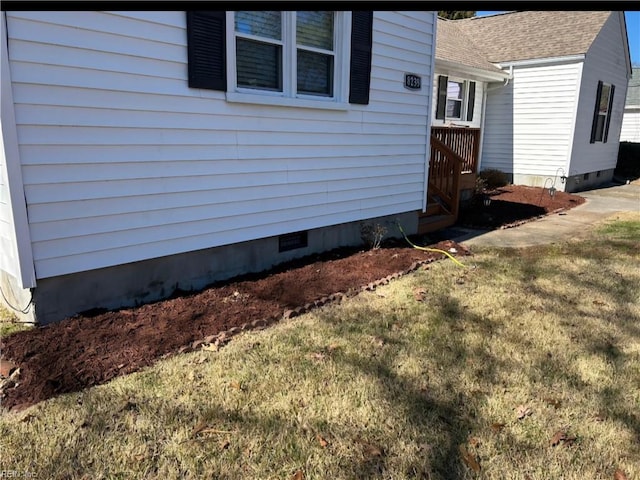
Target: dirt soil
(88,350)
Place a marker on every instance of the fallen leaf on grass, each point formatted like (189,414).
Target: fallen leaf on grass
(619,475)
(201,425)
(497,427)
(372,451)
(322,441)
(210,347)
(469,459)
(299,475)
(235,384)
(523,411)
(420,294)
(553,402)
(599,303)
(225,444)
(562,437)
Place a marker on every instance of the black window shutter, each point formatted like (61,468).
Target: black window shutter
(441,106)
(361,41)
(472,101)
(206,39)
(606,128)
(594,124)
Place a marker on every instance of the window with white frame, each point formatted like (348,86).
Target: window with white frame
(456,99)
(306,59)
(291,53)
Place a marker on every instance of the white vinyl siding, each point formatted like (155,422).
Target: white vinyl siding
(122,161)
(8,258)
(630,131)
(605,61)
(497,146)
(529,123)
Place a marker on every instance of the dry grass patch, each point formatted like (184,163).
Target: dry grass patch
(9,323)
(524,365)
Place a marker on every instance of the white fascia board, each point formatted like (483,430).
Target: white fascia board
(27,276)
(477,73)
(542,61)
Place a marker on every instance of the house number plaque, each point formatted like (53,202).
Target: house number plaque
(412,81)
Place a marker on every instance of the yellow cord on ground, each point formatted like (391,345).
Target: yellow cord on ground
(426,249)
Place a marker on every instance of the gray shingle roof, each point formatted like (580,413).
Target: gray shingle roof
(453,45)
(533,34)
(633,91)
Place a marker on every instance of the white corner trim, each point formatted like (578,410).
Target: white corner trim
(12,165)
(278,101)
(429,113)
(575,119)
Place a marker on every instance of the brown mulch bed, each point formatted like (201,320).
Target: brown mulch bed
(88,350)
(513,205)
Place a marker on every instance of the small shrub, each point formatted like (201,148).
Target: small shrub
(372,235)
(480,187)
(494,178)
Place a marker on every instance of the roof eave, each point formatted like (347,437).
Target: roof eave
(481,74)
(542,61)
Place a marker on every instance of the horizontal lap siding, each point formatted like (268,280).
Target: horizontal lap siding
(543,112)
(123,162)
(630,131)
(605,61)
(497,147)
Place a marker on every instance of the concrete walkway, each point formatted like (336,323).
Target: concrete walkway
(574,223)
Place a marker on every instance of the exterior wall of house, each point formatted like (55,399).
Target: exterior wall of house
(8,246)
(528,128)
(16,263)
(630,130)
(477,108)
(123,162)
(604,61)
(497,146)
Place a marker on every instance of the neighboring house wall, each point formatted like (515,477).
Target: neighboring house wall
(630,131)
(122,161)
(605,61)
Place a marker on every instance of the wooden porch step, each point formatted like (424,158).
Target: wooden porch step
(428,224)
(433,208)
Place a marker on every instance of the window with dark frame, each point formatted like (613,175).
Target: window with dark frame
(602,112)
